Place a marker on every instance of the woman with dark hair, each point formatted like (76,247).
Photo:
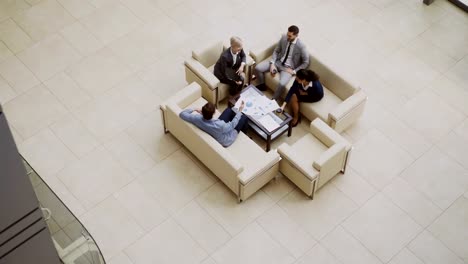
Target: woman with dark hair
(306,88)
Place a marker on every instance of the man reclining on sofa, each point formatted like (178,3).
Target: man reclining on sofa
(225,129)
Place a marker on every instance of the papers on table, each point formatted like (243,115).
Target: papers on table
(255,103)
(268,122)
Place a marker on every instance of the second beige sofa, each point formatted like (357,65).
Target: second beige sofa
(342,104)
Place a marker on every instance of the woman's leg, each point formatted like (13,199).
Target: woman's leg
(295,108)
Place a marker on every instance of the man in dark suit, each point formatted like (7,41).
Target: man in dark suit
(289,56)
(229,68)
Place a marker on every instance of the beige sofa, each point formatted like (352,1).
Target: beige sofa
(315,158)
(199,68)
(243,167)
(343,103)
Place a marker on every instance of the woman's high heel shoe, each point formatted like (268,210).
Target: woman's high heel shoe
(297,122)
(294,124)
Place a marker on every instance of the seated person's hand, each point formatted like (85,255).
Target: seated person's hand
(241,107)
(240,70)
(290,71)
(238,82)
(273,69)
(281,109)
(197,110)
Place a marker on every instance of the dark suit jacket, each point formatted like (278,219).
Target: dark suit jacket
(225,65)
(300,56)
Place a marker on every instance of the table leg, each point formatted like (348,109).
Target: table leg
(251,73)
(268,143)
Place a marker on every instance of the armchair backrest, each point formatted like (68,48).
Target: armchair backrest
(330,79)
(208,55)
(260,55)
(327,135)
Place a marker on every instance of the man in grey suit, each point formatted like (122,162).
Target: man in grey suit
(289,56)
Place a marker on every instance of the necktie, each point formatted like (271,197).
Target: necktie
(287,53)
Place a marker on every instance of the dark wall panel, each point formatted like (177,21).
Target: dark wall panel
(24,236)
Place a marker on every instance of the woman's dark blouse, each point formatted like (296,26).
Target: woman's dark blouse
(314,93)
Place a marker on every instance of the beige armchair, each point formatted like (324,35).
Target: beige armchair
(343,103)
(199,68)
(315,158)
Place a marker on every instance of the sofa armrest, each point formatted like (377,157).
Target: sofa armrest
(332,157)
(348,111)
(203,73)
(184,97)
(348,105)
(249,61)
(262,54)
(292,157)
(270,159)
(326,134)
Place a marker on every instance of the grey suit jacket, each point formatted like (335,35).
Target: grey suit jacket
(300,56)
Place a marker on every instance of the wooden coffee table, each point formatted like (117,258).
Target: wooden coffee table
(283,119)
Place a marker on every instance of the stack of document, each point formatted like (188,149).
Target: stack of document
(268,122)
(255,103)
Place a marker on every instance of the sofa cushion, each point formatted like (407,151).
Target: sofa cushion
(211,68)
(323,107)
(250,155)
(272,83)
(309,148)
(197,104)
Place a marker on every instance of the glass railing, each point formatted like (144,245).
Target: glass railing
(73,242)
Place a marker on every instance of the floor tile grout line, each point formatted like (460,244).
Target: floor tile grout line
(36,41)
(445,152)
(427,199)
(190,235)
(407,248)
(218,223)
(279,242)
(275,240)
(145,234)
(356,211)
(439,240)
(352,236)
(33,41)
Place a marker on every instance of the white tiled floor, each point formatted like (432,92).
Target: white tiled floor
(382,227)
(51,55)
(81,82)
